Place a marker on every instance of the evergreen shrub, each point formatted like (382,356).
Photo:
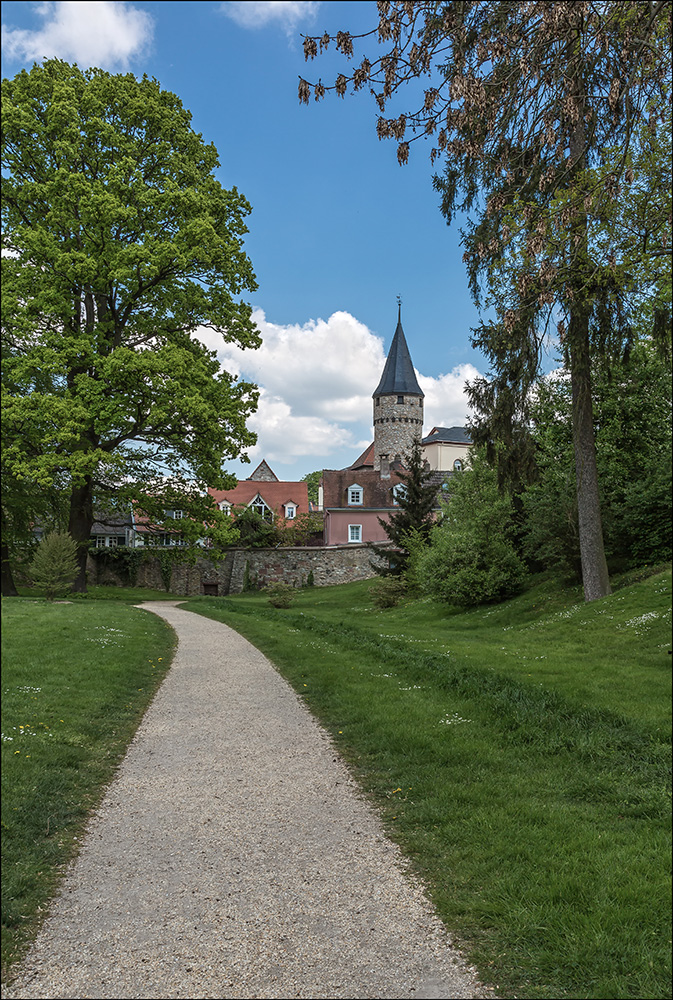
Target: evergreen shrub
(54,566)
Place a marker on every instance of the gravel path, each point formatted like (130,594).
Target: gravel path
(233,857)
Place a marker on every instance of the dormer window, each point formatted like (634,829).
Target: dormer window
(261,508)
(354,495)
(290,511)
(399,492)
(225,507)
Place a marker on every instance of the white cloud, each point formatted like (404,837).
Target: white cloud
(445,402)
(317,381)
(285,436)
(88,33)
(327,367)
(254,14)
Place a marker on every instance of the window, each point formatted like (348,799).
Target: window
(164,540)
(354,494)
(457,465)
(108,541)
(261,508)
(225,507)
(176,515)
(399,492)
(354,532)
(290,511)
(400,399)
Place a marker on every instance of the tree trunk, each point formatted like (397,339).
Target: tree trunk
(592,550)
(8,586)
(80,523)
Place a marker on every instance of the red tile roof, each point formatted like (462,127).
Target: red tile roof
(366,459)
(377,492)
(274,494)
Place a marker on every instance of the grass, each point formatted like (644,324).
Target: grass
(76,681)
(127,595)
(520,754)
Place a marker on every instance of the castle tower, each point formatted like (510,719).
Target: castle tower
(398,404)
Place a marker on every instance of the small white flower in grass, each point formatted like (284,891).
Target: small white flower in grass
(632,622)
(453,720)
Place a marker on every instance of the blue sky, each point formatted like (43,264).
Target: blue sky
(338,229)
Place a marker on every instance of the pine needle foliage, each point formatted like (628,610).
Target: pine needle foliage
(54,564)
(416,503)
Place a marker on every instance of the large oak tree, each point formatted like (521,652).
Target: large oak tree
(534,111)
(118,242)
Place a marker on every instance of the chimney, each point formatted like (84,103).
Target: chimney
(385,467)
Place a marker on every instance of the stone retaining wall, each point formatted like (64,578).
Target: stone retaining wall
(260,567)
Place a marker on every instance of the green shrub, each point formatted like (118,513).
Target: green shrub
(54,566)
(471,558)
(458,569)
(388,591)
(281,595)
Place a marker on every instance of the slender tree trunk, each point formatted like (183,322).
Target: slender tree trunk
(80,523)
(592,550)
(8,586)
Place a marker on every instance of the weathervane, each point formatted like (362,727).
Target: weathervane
(399,307)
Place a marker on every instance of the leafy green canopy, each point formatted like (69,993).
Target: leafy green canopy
(633,434)
(118,242)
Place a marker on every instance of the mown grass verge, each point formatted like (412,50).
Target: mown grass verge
(520,755)
(76,681)
(104,592)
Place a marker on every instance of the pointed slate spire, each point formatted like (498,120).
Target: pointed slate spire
(398,374)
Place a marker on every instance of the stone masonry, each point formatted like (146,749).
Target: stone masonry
(329,566)
(398,422)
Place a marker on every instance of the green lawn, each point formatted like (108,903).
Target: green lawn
(520,754)
(76,680)
(127,595)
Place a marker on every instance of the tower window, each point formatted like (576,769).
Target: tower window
(400,399)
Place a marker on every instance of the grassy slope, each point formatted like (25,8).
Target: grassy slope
(520,754)
(76,681)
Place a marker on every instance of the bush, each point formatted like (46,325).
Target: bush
(471,558)
(54,566)
(281,595)
(388,591)
(457,569)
